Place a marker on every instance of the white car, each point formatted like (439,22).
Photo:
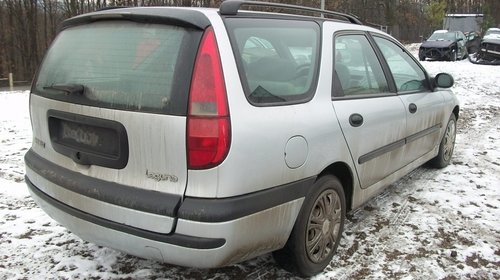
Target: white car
(204,137)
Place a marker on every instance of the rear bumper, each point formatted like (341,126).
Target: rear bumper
(45,200)
(206,233)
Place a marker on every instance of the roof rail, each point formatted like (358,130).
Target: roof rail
(111,8)
(231,7)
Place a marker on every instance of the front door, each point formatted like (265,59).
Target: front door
(423,107)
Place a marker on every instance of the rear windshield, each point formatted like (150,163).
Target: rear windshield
(277,59)
(116,64)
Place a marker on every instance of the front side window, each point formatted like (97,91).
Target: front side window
(114,64)
(407,75)
(277,59)
(357,68)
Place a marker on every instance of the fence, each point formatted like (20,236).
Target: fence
(11,83)
(10,79)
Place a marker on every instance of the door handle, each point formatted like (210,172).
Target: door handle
(356,120)
(412,108)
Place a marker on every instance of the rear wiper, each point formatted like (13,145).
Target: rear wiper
(68,89)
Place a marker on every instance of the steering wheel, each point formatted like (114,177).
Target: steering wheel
(302,70)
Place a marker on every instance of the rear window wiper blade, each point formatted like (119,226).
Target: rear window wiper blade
(68,89)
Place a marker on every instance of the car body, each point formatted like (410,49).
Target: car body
(204,137)
(444,45)
(490,45)
(473,41)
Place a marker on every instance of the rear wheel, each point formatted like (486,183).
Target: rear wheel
(317,231)
(447,144)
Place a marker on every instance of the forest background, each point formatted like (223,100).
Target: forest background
(27,27)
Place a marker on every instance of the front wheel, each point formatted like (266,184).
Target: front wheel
(317,231)
(447,144)
(453,56)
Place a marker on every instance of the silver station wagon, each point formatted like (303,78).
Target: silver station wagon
(204,137)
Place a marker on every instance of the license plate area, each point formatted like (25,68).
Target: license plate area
(89,140)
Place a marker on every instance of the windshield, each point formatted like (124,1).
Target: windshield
(115,64)
(444,36)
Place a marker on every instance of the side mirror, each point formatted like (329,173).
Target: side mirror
(444,80)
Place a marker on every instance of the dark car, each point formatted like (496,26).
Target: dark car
(444,45)
(473,41)
(490,45)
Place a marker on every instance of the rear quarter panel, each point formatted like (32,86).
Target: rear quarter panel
(256,159)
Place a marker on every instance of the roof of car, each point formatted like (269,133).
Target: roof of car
(192,16)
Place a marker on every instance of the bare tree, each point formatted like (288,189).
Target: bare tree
(29,26)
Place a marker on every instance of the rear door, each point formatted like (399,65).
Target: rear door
(110,103)
(372,118)
(423,107)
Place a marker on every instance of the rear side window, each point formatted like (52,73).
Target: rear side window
(115,64)
(277,59)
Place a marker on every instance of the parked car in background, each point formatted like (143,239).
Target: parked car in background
(444,45)
(204,137)
(473,41)
(490,46)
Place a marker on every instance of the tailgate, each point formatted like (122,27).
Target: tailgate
(110,163)
(108,109)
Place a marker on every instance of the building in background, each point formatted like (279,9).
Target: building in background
(463,22)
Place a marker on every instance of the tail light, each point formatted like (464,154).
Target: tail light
(208,124)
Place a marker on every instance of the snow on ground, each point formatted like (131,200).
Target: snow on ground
(432,224)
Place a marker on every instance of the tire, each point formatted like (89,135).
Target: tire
(421,58)
(317,230)
(453,56)
(447,144)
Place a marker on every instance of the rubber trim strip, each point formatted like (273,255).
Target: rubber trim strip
(423,133)
(227,209)
(400,143)
(134,198)
(193,209)
(174,239)
(380,151)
